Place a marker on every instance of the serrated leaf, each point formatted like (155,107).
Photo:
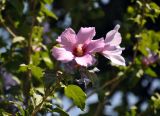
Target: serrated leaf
(76,94)
(18,39)
(61,111)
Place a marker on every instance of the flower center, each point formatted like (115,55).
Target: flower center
(79,50)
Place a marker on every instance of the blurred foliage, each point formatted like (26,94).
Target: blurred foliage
(30,79)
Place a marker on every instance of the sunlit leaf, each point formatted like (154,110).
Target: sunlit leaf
(48,1)
(36,58)
(18,39)
(36,71)
(37,33)
(76,94)
(149,40)
(47,60)
(23,68)
(47,12)
(150,72)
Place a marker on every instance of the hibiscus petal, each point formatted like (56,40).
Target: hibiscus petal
(59,39)
(116,59)
(86,60)
(112,50)
(68,38)
(62,54)
(95,45)
(85,35)
(113,37)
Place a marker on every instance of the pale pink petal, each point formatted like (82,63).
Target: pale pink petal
(68,38)
(116,59)
(113,37)
(112,50)
(117,27)
(59,39)
(85,35)
(86,60)
(95,45)
(62,54)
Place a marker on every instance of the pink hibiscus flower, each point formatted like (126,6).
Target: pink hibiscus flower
(80,47)
(112,50)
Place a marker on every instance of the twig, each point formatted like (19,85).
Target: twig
(38,107)
(99,108)
(47,93)
(28,84)
(8,29)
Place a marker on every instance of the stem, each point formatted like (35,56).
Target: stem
(38,107)
(47,94)
(8,29)
(99,108)
(27,83)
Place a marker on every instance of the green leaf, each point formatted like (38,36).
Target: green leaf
(47,60)
(36,98)
(48,1)
(139,3)
(2,3)
(76,94)
(36,58)
(155,7)
(149,40)
(18,39)
(23,68)
(155,102)
(61,111)
(130,9)
(152,11)
(37,33)
(132,112)
(36,71)
(47,12)
(6,114)
(22,111)
(150,72)
(16,79)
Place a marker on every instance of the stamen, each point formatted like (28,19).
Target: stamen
(79,50)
